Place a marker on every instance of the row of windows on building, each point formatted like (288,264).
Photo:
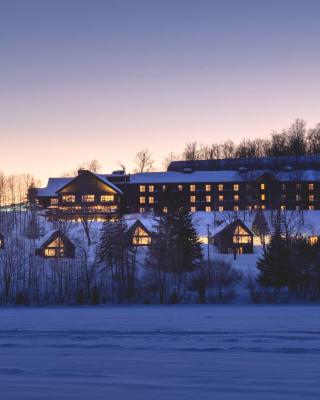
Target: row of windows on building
(222,208)
(236,198)
(221,187)
(86,198)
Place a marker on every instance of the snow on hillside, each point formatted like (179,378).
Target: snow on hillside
(160,352)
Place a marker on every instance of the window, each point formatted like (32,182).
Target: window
(208,199)
(69,198)
(164,188)
(141,237)
(236,187)
(151,188)
(165,210)
(311,198)
(249,208)
(220,198)
(220,188)
(208,188)
(298,186)
(220,208)
(151,200)
(142,200)
(298,197)
(236,197)
(240,235)
(142,209)
(263,207)
(87,198)
(262,186)
(192,188)
(208,209)
(55,248)
(192,209)
(311,208)
(54,201)
(284,186)
(107,198)
(311,186)
(142,188)
(313,240)
(113,208)
(180,188)
(192,199)
(283,207)
(263,197)
(235,208)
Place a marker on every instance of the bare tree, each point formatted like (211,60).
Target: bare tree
(143,161)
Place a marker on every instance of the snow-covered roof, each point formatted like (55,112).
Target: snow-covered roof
(55,184)
(221,176)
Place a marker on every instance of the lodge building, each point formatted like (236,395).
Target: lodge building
(291,183)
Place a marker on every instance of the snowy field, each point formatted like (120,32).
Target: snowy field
(160,352)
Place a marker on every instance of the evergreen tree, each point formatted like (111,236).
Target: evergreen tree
(274,265)
(260,227)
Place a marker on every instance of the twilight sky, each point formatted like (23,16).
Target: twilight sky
(103,79)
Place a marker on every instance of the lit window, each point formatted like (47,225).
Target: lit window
(142,209)
(113,208)
(164,188)
(208,188)
(236,197)
(249,208)
(298,197)
(262,186)
(192,188)
(263,207)
(208,209)
(142,200)
(220,188)
(236,208)
(208,199)
(193,209)
(311,198)
(313,240)
(220,198)
(311,186)
(151,200)
(192,199)
(284,186)
(283,207)
(141,237)
(88,198)
(54,201)
(142,188)
(263,197)
(236,187)
(220,208)
(180,188)
(151,188)
(165,210)
(311,208)
(68,198)
(106,198)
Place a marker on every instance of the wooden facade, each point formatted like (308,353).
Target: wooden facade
(57,245)
(235,237)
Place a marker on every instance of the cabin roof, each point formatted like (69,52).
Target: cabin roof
(51,236)
(56,184)
(226,226)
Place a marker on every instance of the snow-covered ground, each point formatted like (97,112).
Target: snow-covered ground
(160,352)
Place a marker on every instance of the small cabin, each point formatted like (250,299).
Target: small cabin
(1,242)
(139,235)
(234,237)
(313,239)
(56,245)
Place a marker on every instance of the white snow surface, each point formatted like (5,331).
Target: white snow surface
(160,352)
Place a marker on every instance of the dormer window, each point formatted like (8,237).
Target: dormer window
(141,237)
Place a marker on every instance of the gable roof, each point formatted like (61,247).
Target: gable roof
(137,223)
(51,236)
(56,184)
(230,226)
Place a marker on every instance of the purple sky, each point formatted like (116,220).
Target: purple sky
(103,79)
